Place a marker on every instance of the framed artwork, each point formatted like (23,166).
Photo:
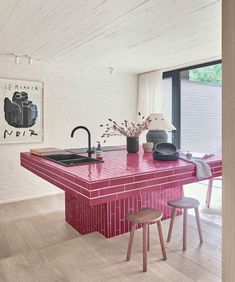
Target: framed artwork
(21,111)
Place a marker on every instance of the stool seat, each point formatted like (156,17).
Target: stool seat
(184,203)
(146,215)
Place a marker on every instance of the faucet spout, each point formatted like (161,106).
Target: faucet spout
(89,151)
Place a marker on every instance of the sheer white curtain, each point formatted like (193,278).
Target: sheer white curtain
(150,89)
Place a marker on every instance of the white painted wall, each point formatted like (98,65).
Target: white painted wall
(72,97)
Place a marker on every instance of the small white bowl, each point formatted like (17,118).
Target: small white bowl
(148,147)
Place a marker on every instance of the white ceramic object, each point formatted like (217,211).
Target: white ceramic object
(148,147)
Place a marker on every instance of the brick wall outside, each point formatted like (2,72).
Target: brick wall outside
(201,115)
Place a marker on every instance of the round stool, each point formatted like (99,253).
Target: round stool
(184,203)
(145,216)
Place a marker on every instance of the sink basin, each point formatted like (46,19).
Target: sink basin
(64,157)
(71,159)
(105,149)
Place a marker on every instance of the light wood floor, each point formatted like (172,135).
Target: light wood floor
(37,245)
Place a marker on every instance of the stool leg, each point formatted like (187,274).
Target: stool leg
(208,194)
(185,229)
(148,239)
(145,231)
(159,227)
(128,256)
(198,225)
(182,192)
(171,224)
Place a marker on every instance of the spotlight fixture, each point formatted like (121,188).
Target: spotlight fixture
(17,59)
(30,60)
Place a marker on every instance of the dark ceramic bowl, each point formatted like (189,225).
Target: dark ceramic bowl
(165,148)
(162,157)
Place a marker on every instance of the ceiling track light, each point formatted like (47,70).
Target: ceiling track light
(20,57)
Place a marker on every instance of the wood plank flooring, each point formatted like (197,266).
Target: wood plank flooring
(37,245)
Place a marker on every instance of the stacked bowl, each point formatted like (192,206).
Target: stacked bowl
(165,152)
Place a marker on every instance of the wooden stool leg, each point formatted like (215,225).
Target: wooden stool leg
(159,227)
(182,191)
(185,229)
(148,238)
(198,225)
(128,256)
(209,190)
(145,247)
(171,224)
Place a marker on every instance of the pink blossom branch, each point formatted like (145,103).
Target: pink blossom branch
(128,129)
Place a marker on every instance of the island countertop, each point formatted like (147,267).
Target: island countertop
(98,196)
(121,175)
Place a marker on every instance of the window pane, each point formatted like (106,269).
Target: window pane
(200,114)
(210,74)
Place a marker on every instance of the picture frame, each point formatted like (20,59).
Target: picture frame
(21,111)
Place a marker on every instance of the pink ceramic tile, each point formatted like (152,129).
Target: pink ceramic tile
(169,185)
(187,168)
(187,181)
(181,176)
(217,174)
(111,190)
(217,168)
(85,192)
(154,188)
(103,199)
(132,186)
(90,204)
(80,182)
(100,184)
(121,181)
(148,176)
(95,193)
(127,194)
(157,181)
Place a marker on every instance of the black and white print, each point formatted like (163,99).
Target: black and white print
(21,111)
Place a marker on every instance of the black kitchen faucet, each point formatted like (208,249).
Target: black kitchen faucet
(89,151)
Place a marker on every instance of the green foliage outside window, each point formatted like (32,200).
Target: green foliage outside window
(210,74)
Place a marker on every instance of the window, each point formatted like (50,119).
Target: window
(211,74)
(196,107)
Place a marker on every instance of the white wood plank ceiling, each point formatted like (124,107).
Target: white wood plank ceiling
(129,35)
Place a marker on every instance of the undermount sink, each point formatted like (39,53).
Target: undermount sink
(71,159)
(105,149)
(64,157)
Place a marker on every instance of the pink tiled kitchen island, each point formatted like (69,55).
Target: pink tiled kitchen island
(98,196)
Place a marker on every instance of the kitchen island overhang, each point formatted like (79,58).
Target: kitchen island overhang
(97,196)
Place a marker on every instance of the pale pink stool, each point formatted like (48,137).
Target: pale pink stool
(184,203)
(209,190)
(145,216)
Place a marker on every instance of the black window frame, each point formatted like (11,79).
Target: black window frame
(175,75)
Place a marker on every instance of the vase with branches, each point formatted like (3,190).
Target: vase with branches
(131,130)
